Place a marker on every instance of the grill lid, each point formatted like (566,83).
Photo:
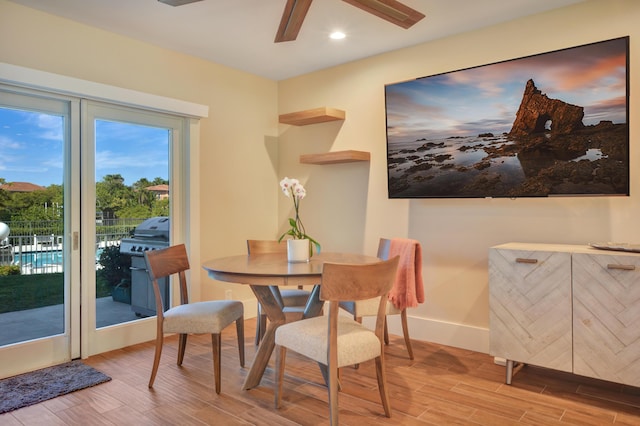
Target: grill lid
(155,227)
(152,234)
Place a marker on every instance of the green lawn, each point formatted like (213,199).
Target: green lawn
(20,292)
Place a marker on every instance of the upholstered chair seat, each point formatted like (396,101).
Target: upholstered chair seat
(356,343)
(202,317)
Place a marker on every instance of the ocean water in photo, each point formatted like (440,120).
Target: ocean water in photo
(452,166)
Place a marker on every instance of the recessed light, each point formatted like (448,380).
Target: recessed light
(337,35)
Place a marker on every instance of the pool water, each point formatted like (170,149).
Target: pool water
(42,258)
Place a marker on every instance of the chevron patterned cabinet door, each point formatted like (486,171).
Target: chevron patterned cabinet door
(530,319)
(606,307)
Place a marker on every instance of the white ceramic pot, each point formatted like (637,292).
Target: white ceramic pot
(297,251)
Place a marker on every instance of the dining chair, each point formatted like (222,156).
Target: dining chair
(335,340)
(293,300)
(365,308)
(209,317)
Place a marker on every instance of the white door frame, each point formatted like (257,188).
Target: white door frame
(186,218)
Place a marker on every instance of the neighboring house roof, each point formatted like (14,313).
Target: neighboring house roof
(158,188)
(161,191)
(21,187)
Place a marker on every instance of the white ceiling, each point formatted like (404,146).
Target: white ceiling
(240,33)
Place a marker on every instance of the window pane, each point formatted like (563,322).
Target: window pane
(132,170)
(32,293)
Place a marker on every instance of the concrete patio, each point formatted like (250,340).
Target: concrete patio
(40,322)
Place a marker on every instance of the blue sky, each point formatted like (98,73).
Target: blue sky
(31,149)
(133,151)
(486,98)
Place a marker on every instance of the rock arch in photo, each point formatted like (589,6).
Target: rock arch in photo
(536,109)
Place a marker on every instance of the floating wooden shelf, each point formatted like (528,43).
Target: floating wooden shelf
(323,115)
(335,157)
(312,116)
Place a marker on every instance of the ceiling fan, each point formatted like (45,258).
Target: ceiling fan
(296,10)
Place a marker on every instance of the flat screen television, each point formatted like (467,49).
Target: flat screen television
(552,124)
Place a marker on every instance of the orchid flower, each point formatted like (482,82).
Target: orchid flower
(293,189)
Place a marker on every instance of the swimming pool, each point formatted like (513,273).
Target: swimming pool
(45,258)
(41,258)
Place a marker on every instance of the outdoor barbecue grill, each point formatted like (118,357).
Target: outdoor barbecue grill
(152,234)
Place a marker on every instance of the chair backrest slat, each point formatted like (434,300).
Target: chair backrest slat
(266,246)
(347,282)
(164,263)
(168,261)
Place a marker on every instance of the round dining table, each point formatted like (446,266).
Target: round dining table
(264,273)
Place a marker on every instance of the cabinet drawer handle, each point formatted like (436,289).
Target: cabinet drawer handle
(525,260)
(625,267)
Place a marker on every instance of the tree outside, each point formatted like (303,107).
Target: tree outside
(114,200)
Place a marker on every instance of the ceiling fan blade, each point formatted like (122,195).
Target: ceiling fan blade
(178,2)
(292,19)
(389,10)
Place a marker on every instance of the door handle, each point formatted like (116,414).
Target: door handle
(526,260)
(623,267)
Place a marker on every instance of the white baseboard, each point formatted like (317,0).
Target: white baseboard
(425,329)
(445,333)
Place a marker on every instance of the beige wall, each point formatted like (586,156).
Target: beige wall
(238,181)
(244,152)
(347,208)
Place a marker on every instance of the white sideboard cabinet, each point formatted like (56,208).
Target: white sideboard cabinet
(571,308)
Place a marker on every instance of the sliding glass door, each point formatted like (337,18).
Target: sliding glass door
(77,178)
(39,243)
(127,172)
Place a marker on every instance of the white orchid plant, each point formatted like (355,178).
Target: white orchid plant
(293,189)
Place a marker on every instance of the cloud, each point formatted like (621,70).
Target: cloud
(119,160)
(8,143)
(54,163)
(47,126)
(593,74)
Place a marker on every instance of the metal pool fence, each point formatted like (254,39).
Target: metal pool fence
(38,246)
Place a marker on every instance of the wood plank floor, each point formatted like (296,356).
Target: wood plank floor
(442,386)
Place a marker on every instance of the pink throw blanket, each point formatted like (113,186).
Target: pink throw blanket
(408,289)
